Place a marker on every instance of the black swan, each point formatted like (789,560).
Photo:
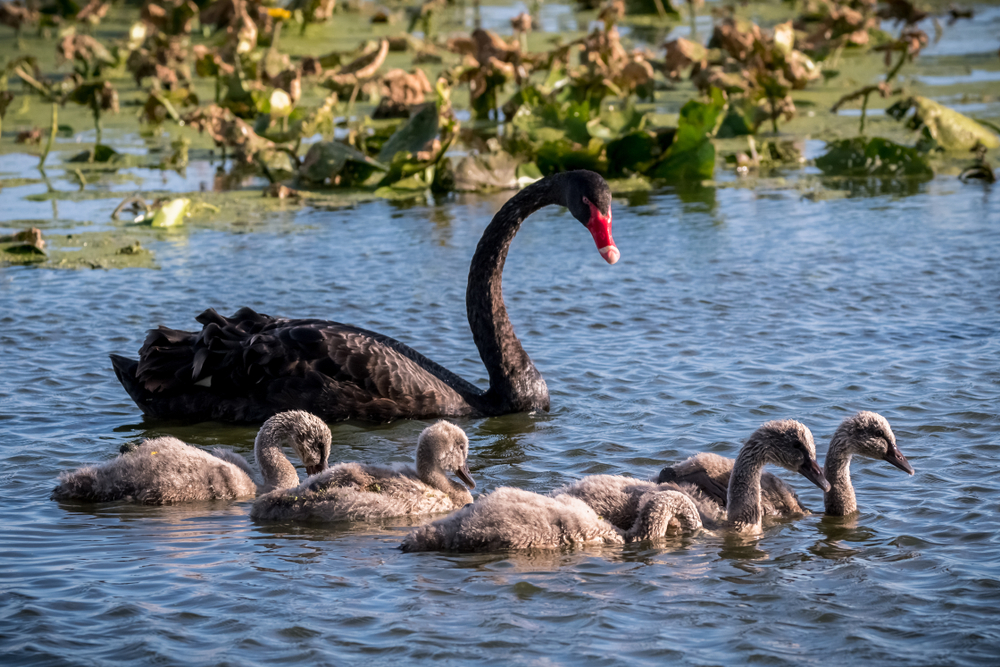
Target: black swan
(249,366)
(356,491)
(165,470)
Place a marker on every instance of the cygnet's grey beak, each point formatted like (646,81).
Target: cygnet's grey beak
(466,477)
(313,469)
(896,458)
(811,471)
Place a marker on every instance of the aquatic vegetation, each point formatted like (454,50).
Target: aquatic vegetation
(378,114)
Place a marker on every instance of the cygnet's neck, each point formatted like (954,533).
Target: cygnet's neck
(743,499)
(434,477)
(275,468)
(840,499)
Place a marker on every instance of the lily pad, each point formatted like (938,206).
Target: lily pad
(951,130)
(327,159)
(863,157)
(412,135)
(691,156)
(172,213)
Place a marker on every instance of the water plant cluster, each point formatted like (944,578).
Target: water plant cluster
(475,111)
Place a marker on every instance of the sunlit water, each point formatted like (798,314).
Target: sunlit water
(729,307)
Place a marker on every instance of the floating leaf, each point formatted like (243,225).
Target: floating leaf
(691,156)
(951,130)
(326,159)
(172,213)
(412,135)
(873,157)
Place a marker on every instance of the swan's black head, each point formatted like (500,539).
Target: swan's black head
(588,198)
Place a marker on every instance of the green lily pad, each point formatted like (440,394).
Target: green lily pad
(951,130)
(172,213)
(412,135)
(326,159)
(691,156)
(862,157)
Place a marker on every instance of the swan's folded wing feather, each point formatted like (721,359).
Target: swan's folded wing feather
(252,354)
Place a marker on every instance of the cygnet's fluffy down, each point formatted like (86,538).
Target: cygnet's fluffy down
(510,518)
(616,498)
(165,470)
(161,471)
(356,491)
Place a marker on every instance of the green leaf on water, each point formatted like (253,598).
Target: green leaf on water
(172,213)
(691,156)
(326,159)
(412,135)
(951,130)
(863,157)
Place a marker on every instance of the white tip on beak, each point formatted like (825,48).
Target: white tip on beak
(609,253)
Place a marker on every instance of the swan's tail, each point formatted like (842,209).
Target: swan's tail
(125,370)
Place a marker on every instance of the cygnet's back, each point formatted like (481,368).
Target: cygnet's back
(511,518)
(165,470)
(617,499)
(357,491)
(158,472)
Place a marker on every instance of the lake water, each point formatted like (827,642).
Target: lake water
(729,307)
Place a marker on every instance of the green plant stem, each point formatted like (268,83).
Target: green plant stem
(52,136)
(888,77)
(97,126)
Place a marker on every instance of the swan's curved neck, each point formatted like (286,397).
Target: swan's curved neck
(435,478)
(743,499)
(840,499)
(275,468)
(515,384)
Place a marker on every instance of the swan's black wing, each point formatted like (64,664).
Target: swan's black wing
(249,366)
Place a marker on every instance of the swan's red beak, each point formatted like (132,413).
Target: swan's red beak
(600,229)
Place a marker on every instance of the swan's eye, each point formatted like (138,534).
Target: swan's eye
(586,202)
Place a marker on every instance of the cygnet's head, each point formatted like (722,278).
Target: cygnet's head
(444,446)
(868,434)
(789,444)
(303,432)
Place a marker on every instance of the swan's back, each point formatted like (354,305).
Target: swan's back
(510,518)
(352,492)
(159,472)
(709,473)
